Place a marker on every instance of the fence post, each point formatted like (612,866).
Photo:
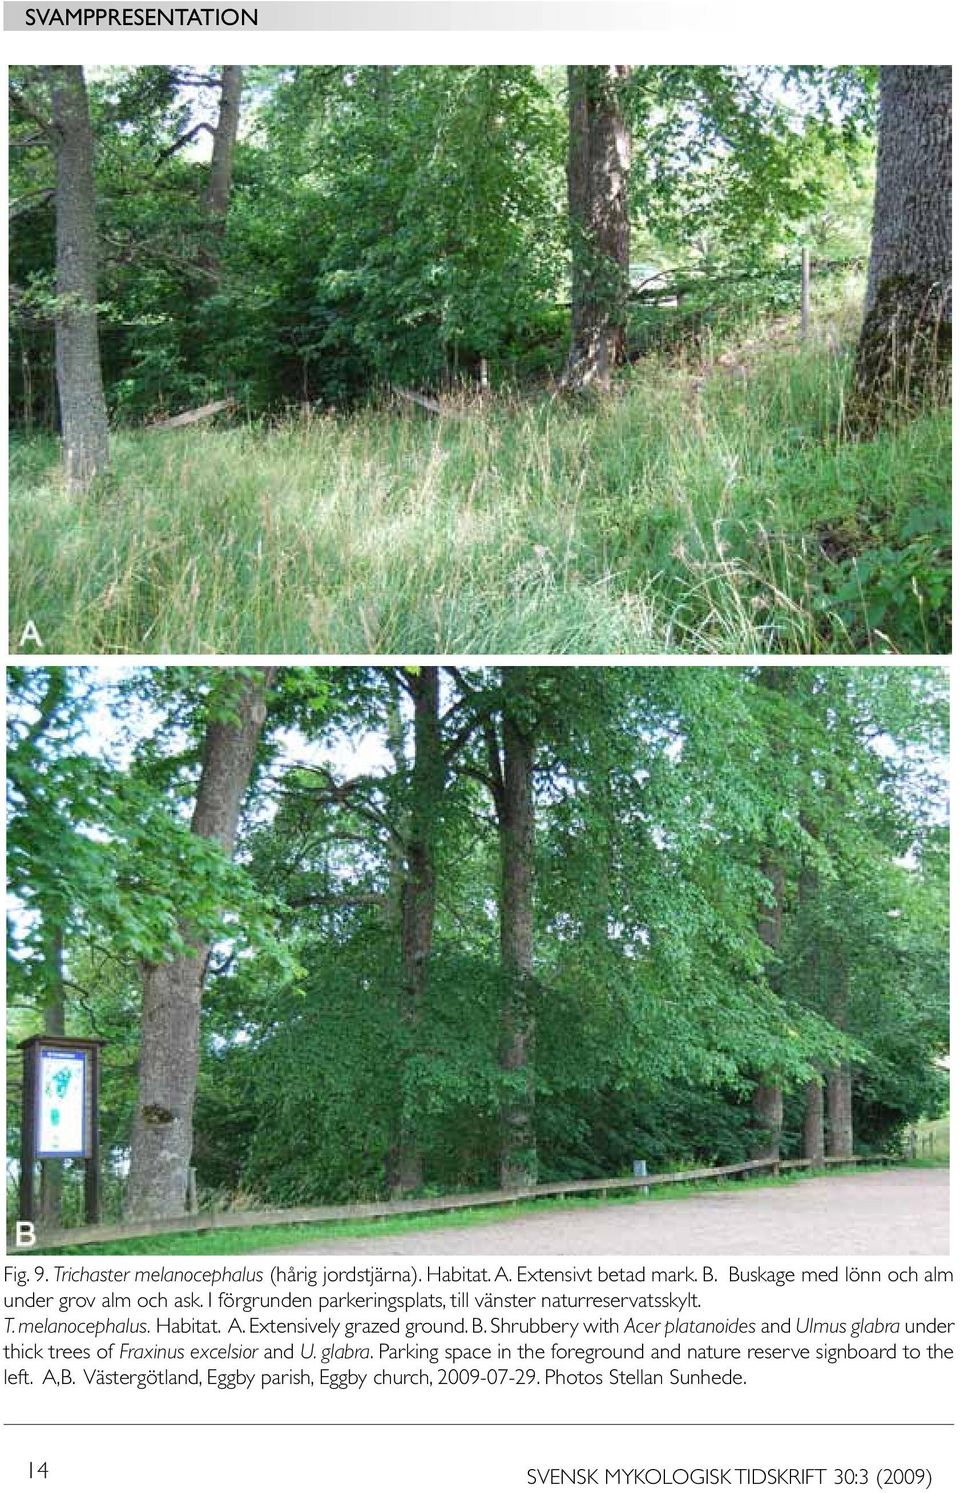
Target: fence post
(804,293)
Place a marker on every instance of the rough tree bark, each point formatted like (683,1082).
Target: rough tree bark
(906,335)
(839,1078)
(767,1098)
(162,1139)
(396,867)
(813,1121)
(83,410)
(839,1111)
(767,1110)
(807,889)
(419,891)
(512,776)
(216,196)
(598,164)
(383,89)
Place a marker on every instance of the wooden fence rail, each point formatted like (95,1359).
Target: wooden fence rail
(202,1223)
(691,279)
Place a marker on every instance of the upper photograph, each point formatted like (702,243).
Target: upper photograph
(501,360)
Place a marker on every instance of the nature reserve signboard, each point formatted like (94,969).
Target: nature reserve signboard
(61,1084)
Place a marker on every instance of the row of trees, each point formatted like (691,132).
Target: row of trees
(482,924)
(400,224)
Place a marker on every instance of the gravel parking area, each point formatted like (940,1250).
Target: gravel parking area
(899,1212)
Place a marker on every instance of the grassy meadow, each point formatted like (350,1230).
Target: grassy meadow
(714,504)
(929,1140)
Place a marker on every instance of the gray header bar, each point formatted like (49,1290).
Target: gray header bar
(366,15)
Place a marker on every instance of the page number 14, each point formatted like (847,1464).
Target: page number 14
(36,1469)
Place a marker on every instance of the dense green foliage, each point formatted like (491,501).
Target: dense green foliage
(398,224)
(660,795)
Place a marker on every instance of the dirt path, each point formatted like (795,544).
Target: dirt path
(897,1213)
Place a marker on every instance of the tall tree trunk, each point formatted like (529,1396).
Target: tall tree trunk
(419,899)
(839,1078)
(906,334)
(598,164)
(839,1084)
(813,1121)
(216,197)
(170,1041)
(770,918)
(766,1108)
(83,410)
(807,889)
(383,90)
(839,1111)
(767,1099)
(518,1149)
(396,869)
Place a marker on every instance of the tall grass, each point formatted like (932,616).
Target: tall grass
(710,510)
(928,1140)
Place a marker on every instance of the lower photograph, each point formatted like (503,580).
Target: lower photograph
(480,960)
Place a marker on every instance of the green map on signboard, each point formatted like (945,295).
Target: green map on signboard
(61,1093)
